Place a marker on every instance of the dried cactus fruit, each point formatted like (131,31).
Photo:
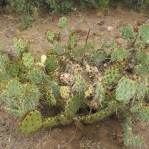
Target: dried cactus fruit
(27,60)
(111,75)
(31,123)
(67,79)
(125,90)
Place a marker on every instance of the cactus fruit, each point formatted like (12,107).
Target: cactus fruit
(31,123)
(125,90)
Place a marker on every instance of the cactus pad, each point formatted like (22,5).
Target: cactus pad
(111,75)
(31,123)
(126,89)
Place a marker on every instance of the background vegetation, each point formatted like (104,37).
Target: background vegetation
(68,5)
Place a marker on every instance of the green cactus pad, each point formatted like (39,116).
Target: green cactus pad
(100,92)
(119,54)
(65,92)
(127,32)
(36,75)
(63,22)
(51,63)
(73,105)
(31,123)
(126,89)
(144,33)
(50,36)
(98,57)
(27,60)
(111,76)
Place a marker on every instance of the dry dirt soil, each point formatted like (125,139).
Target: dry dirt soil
(103,135)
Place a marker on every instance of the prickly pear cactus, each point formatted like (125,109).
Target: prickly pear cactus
(127,32)
(31,123)
(125,90)
(80,84)
(100,92)
(119,54)
(27,60)
(73,105)
(51,63)
(73,83)
(36,75)
(112,75)
(144,33)
(65,92)
(19,98)
(63,22)
(50,36)
(50,97)
(20,46)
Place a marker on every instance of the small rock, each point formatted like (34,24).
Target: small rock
(110,28)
